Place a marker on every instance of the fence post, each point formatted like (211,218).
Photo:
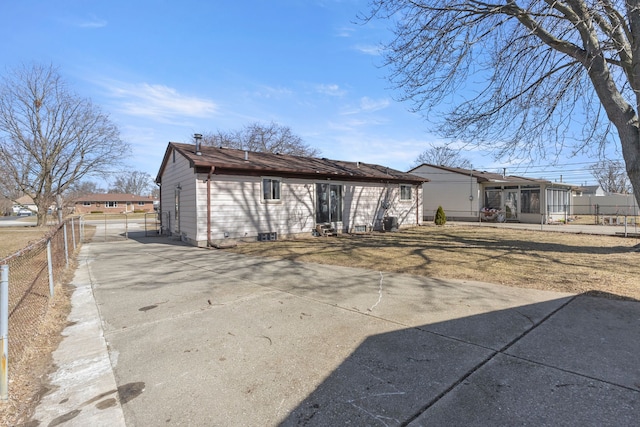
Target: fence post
(50,267)
(73,234)
(126,226)
(66,244)
(4,332)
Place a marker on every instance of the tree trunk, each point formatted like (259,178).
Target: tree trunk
(630,143)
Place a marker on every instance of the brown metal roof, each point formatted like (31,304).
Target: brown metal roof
(113,197)
(239,162)
(492,177)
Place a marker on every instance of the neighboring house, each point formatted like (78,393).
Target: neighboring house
(606,204)
(469,195)
(24,206)
(589,190)
(113,203)
(208,194)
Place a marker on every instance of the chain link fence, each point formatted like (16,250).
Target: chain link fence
(30,274)
(114,227)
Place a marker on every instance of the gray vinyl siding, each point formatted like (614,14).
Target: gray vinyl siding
(238,211)
(179,173)
(237,208)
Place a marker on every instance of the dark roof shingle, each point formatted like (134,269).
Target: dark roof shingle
(240,162)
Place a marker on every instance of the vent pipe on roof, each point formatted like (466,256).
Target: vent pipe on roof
(246,156)
(198,138)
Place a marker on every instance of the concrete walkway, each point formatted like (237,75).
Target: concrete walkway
(205,337)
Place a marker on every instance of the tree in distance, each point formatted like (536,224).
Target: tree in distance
(524,78)
(611,176)
(132,182)
(267,138)
(441,155)
(50,138)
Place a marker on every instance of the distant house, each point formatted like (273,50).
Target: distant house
(24,206)
(593,200)
(113,203)
(470,195)
(589,190)
(209,194)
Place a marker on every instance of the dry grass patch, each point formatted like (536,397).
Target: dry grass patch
(529,259)
(28,376)
(12,239)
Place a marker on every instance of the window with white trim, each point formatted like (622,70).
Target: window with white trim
(271,189)
(405,192)
(140,203)
(110,204)
(86,203)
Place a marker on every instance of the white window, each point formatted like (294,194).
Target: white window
(405,192)
(140,203)
(271,189)
(110,204)
(86,203)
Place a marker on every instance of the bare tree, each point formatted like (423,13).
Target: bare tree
(132,182)
(50,137)
(269,138)
(441,155)
(525,78)
(82,188)
(611,176)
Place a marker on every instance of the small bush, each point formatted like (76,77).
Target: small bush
(96,212)
(441,218)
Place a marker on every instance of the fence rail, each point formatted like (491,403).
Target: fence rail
(114,227)
(28,278)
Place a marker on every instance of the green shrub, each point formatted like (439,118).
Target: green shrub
(441,218)
(96,212)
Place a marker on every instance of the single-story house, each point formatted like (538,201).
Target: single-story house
(113,203)
(24,206)
(470,195)
(589,190)
(209,194)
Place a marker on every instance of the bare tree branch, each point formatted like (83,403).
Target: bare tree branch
(270,138)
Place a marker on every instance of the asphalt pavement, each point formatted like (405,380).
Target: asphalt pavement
(167,334)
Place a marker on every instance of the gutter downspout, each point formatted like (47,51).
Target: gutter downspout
(209,205)
(418,203)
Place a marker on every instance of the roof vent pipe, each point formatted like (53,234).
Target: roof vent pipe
(198,138)
(246,156)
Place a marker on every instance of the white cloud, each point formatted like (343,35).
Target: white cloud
(373,50)
(91,21)
(272,92)
(345,31)
(158,102)
(94,23)
(368,104)
(330,89)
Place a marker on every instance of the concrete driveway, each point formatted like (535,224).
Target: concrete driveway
(209,338)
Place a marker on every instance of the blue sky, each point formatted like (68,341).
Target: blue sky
(165,70)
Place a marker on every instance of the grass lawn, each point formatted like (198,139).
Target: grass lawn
(12,239)
(529,259)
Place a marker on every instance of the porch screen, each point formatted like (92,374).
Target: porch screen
(557,200)
(530,200)
(492,199)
